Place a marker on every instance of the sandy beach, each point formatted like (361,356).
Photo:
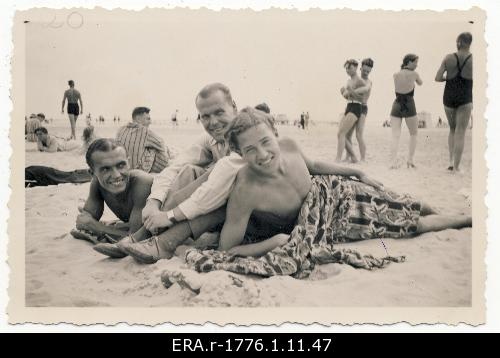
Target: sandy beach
(62,271)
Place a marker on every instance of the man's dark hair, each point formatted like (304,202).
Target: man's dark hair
(100,145)
(214,87)
(71,83)
(139,110)
(350,63)
(42,130)
(41,115)
(367,62)
(263,107)
(465,39)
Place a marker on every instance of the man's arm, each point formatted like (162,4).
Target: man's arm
(239,209)
(260,248)
(440,72)
(213,193)
(363,89)
(81,102)
(140,192)
(198,154)
(63,101)
(40,145)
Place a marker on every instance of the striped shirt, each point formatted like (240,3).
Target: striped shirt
(31,125)
(145,149)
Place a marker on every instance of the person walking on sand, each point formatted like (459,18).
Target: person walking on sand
(456,71)
(73,96)
(404,107)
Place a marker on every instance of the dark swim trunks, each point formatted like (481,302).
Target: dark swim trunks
(458,90)
(354,108)
(404,105)
(364,109)
(73,108)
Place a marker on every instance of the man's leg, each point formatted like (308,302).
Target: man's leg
(348,140)
(462,118)
(345,125)
(452,121)
(72,121)
(360,127)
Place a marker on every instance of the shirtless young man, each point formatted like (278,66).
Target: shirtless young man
(123,190)
(275,182)
(456,70)
(353,110)
(50,144)
(73,96)
(364,92)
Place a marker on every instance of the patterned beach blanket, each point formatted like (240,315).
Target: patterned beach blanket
(336,210)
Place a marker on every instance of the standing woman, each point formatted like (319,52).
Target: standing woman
(457,97)
(74,110)
(404,107)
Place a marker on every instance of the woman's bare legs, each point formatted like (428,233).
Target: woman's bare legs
(396,134)
(412,123)
(442,222)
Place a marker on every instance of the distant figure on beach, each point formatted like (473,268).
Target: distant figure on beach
(51,144)
(145,149)
(34,122)
(88,137)
(114,120)
(353,110)
(404,107)
(263,107)
(456,70)
(174,118)
(282,186)
(302,123)
(73,96)
(113,183)
(364,91)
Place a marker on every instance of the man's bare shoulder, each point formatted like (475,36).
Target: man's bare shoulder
(288,144)
(140,177)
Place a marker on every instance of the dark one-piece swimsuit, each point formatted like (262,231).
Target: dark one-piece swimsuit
(458,90)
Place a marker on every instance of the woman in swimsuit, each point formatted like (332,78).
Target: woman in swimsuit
(404,107)
(276,180)
(456,70)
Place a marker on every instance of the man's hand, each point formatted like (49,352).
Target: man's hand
(85,221)
(151,208)
(157,221)
(367,180)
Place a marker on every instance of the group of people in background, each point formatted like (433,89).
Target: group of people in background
(455,70)
(242,180)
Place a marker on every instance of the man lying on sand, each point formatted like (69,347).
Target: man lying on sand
(182,200)
(123,190)
(51,144)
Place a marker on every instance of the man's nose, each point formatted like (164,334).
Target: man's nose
(116,173)
(261,153)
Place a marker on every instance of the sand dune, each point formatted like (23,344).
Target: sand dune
(62,271)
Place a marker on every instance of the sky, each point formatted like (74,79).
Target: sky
(291,60)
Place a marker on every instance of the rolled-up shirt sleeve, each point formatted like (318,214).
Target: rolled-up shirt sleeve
(213,193)
(198,154)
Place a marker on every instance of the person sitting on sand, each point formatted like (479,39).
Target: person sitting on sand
(88,137)
(34,122)
(277,178)
(145,149)
(113,183)
(404,107)
(456,71)
(353,110)
(51,144)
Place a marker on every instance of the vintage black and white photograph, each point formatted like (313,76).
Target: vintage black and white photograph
(240,159)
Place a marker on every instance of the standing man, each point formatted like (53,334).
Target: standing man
(456,70)
(353,110)
(364,92)
(146,150)
(73,96)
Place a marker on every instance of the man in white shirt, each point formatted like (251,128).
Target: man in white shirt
(184,199)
